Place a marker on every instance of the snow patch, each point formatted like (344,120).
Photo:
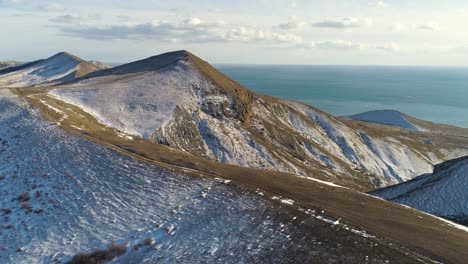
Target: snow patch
(42,72)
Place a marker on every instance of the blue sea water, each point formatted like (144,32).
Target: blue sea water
(437,94)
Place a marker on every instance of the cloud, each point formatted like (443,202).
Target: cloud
(193,30)
(389,47)
(397,26)
(348,22)
(75,19)
(52,7)
(293,24)
(430,26)
(346,45)
(460,49)
(124,18)
(12,2)
(379,4)
(194,21)
(339,45)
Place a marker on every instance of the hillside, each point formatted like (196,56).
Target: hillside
(7,64)
(385,117)
(58,68)
(101,65)
(63,194)
(442,193)
(177,99)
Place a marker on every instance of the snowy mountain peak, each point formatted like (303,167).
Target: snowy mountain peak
(60,67)
(154,63)
(64,54)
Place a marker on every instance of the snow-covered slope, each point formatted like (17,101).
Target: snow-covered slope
(7,64)
(443,193)
(61,195)
(50,71)
(179,100)
(101,65)
(385,117)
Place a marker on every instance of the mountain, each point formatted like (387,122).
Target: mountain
(385,117)
(442,193)
(66,199)
(100,65)
(46,72)
(177,99)
(7,64)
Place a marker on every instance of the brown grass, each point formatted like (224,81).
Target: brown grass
(148,241)
(99,256)
(25,206)
(24,197)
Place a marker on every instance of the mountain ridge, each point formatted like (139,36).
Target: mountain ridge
(197,119)
(58,68)
(179,100)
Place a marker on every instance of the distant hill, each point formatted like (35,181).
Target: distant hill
(385,117)
(7,64)
(443,193)
(100,65)
(46,72)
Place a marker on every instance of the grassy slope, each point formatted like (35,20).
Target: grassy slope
(390,222)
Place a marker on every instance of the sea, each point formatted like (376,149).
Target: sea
(437,94)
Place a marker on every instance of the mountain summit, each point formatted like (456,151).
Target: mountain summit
(181,101)
(46,72)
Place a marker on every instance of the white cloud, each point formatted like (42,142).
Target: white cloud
(430,26)
(52,7)
(346,45)
(293,24)
(124,18)
(379,4)
(463,48)
(390,47)
(12,2)
(348,22)
(75,19)
(193,21)
(397,26)
(339,45)
(192,30)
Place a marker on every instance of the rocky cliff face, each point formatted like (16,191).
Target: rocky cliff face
(179,100)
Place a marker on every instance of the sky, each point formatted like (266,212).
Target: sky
(352,32)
